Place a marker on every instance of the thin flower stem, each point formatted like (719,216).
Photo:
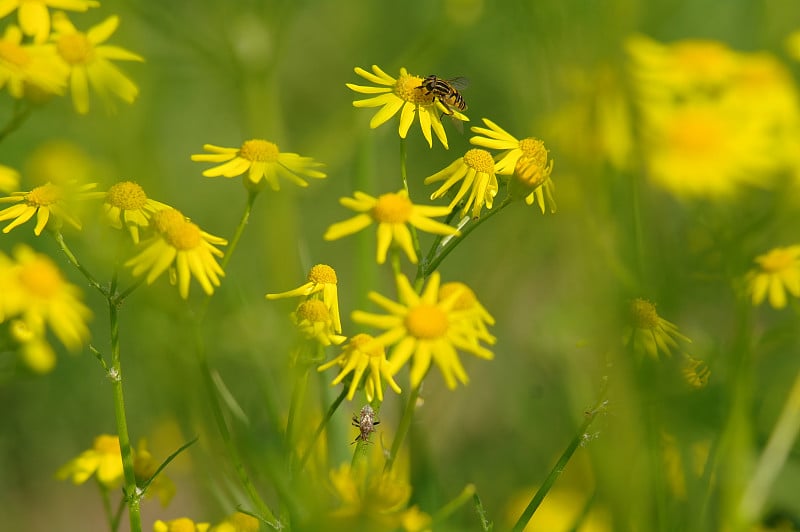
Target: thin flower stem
(448,509)
(106,505)
(300,384)
(403,426)
(118,515)
(74,261)
(18,117)
(431,266)
(237,234)
(560,465)
(322,424)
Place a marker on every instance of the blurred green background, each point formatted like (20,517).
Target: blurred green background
(222,72)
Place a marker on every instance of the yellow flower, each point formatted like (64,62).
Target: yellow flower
(126,203)
(9,179)
(43,201)
(476,171)
(427,328)
(532,173)
(34,351)
(260,159)
(144,467)
(314,320)
(391,212)
(650,332)
(778,272)
(33,289)
(238,522)
(403,95)
(47,162)
(89,62)
(321,282)
(34,18)
(23,66)
(362,353)
(182,524)
(695,372)
(182,247)
(104,459)
(474,313)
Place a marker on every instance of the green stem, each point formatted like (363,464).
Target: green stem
(560,465)
(334,406)
(403,426)
(106,505)
(118,516)
(431,266)
(298,393)
(74,261)
(237,234)
(18,117)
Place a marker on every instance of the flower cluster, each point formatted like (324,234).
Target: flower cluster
(778,272)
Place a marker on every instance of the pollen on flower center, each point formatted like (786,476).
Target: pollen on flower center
(408,88)
(106,444)
(44,195)
(322,274)
(480,160)
(426,322)
(313,310)
(533,148)
(777,260)
(127,196)
(361,341)
(697,134)
(466,298)
(41,278)
(183,236)
(75,48)
(392,208)
(164,220)
(11,53)
(643,314)
(259,150)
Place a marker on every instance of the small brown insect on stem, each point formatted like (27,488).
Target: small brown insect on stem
(365,422)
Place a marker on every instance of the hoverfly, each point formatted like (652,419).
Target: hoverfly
(446,92)
(365,422)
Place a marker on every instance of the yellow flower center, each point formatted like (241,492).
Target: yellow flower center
(777,260)
(183,236)
(127,196)
(44,195)
(696,134)
(426,322)
(313,310)
(106,444)
(259,150)
(164,220)
(41,278)
(182,524)
(13,54)
(322,274)
(465,301)
(643,314)
(392,208)
(480,160)
(408,89)
(361,340)
(533,148)
(75,48)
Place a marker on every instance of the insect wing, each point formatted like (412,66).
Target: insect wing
(459,83)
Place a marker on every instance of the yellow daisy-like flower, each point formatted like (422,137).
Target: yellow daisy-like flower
(89,62)
(34,18)
(9,179)
(314,320)
(182,524)
(778,272)
(23,66)
(261,159)
(537,168)
(474,313)
(476,171)
(144,467)
(238,522)
(43,201)
(362,353)
(650,332)
(103,459)
(35,291)
(127,204)
(404,95)
(321,282)
(391,212)
(427,328)
(182,247)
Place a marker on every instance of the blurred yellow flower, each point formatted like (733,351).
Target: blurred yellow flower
(33,290)
(427,328)
(61,162)
(43,201)
(261,159)
(778,272)
(360,354)
(34,351)
(103,459)
(314,320)
(476,172)
(467,302)
(127,204)
(403,95)
(34,18)
(26,65)
(321,282)
(695,372)
(649,332)
(89,62)
(391,212)
(9,179)
(561,512)
(182,247)
(144,467)
(238,522)
(182,524)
